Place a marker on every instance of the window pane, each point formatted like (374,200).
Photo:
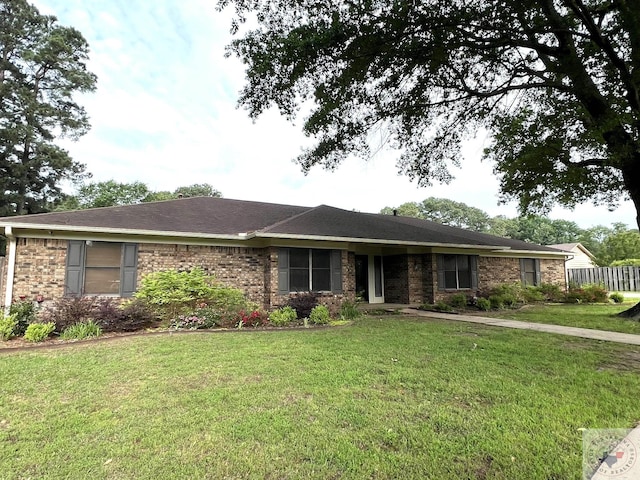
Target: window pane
(299,280)
(321,279)
(450,262)
(321,258)
(529,265)
(464,279)
(102,281)
(101,254)
(299,258)
(463,263)
(530,278)
(450,280)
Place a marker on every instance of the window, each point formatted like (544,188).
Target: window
(457,272)
(101,268)
(306,269)
(530,271)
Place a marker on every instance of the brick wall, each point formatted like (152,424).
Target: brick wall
(40,268)
(493,271)
(552,271)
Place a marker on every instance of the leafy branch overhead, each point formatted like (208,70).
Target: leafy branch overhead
(555,82)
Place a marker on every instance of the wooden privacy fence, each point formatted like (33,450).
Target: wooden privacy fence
(623,279)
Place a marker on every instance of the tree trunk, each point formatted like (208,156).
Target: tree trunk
(632,313)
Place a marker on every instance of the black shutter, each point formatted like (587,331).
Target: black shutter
(75,267)
(336,271)
(283,271)
(473,266)
(129,271)
(440,264)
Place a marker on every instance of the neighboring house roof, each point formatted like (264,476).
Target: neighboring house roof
(573,248)
(238,219)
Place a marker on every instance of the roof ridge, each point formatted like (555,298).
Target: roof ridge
(288,219)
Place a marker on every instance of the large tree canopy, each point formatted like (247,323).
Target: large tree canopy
(42,66)
(556,83)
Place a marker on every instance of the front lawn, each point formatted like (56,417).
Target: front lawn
(597,316)
(386,397)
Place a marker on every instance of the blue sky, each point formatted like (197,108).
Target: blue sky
(165,114)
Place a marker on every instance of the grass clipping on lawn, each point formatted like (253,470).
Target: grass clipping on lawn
(387,397)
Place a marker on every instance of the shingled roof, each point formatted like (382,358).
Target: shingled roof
(208,216)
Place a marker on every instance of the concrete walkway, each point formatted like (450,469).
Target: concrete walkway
(607,336)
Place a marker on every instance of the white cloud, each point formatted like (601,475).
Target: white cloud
(164,113)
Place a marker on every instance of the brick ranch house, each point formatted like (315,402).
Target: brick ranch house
(269,251)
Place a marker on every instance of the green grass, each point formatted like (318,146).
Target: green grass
(383,398)
(595,316)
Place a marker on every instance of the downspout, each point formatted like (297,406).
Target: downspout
(11,268)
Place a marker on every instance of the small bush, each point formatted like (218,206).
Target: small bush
(81,330)
(459,300)
(349,310)
(37,332)
(283,316)
(67,311)
(588,293)
(551,292)
(484,304)
(25,313)
(442,307)
(189,322)
(319,315)
(303,303)
(496,302)
(512,292)
(8,325)
(616,297)
(531,294)
(251,318)
(171,293)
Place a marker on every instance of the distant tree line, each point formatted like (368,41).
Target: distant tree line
(617,244)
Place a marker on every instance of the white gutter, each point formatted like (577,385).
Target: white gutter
(128,231)
(11,268)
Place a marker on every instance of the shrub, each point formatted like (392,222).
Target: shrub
(349,310)
(531,294)
(303,303)
(283,316)
(25,313)
(442,307)
(459,300)
(171,293)
(81,330)
(69,310)
(130,316)
(37,332)
(512,292)
(484,304)
(617,297)
(255,318)
(496,302)
(551,292)
(319,315)
(189,322)
(8,325)
(588,293)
